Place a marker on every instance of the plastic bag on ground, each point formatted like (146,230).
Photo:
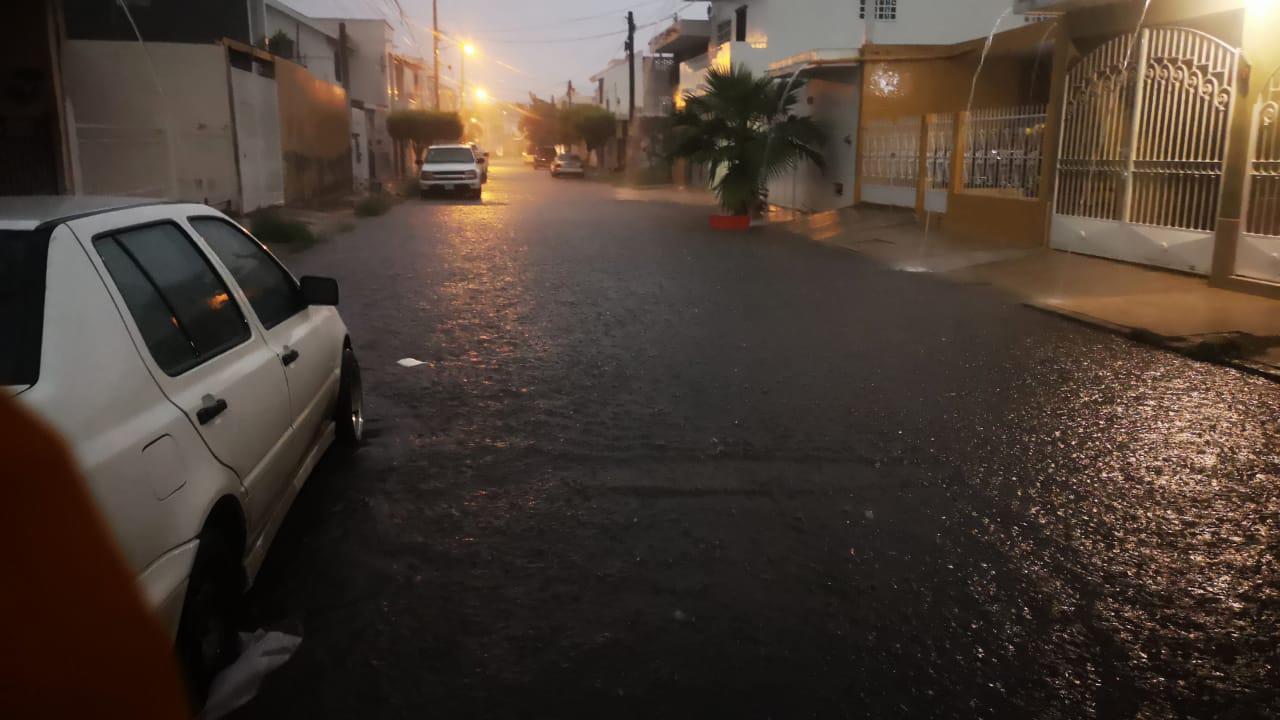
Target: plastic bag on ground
(260,653)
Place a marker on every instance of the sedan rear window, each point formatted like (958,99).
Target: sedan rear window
(450,155)
(23,257)
(183,310)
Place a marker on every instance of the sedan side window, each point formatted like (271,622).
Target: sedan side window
(274,295)
(182,308)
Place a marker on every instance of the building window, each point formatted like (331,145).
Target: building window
(724,31)
(885,10)
(740,24)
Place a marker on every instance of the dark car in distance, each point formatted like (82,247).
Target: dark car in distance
(544,157)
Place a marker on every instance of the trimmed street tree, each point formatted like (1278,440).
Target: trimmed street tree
(743,129)
(595,126)
(541,124)
(423,128)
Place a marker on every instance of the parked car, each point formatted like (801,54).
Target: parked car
(544,157)
(568,164)
(482,159)
(451,167)
(196,381)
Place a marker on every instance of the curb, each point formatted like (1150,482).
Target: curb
(1219,349)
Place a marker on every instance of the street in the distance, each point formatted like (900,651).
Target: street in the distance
(648,470)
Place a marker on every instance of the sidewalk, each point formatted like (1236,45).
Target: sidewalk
(1172,310)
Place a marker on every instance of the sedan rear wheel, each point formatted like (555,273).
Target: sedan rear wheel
(207,641)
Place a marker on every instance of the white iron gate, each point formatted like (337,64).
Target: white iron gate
(891,161)
(942,134)
(1144,140)
(1002,150)
(257,127)
(1258,253)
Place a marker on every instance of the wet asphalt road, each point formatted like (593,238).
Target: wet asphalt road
(649,471)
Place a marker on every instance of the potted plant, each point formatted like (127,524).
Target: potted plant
(743,129)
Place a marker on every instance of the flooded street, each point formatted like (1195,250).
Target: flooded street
(647,470)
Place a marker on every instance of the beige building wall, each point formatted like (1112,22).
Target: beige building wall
(915,81)
(315,134)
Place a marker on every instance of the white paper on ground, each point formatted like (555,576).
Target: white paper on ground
(409,362)
(260,653)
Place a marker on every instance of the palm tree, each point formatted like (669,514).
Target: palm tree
(743,129)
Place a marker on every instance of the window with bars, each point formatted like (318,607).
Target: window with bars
(891,151)
(882,10)
(1003,149)
(724,31)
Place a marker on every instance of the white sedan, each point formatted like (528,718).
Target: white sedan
(195,380)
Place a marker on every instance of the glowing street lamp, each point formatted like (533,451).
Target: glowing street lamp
(482,95)
(467,49)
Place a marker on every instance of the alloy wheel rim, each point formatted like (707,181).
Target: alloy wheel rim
(357,405)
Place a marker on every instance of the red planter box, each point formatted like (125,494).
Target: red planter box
(730,222)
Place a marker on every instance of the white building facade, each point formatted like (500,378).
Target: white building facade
(821,41)
(310,45)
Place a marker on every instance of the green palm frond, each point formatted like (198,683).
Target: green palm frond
(743,129)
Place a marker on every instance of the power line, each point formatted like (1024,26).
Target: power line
(577,39)
(569,21)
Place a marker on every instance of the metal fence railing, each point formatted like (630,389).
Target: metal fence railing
(891,151)
(1003,150)
(942,139)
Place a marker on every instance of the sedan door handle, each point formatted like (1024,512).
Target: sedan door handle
(289,357)
(212,408)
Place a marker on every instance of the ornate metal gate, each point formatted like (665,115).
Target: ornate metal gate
(937,164)
(891,161)
(1144,141)
(1258,252)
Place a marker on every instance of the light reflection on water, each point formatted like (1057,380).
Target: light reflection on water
(1112,510)
(1146,509)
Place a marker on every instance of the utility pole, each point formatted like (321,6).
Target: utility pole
(435,49)
(631,66)
(569,92)
(343,69)
(631,83)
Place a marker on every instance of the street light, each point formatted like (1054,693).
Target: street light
(482,95)
(467,49)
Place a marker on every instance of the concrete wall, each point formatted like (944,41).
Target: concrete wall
(781,29)
(835,103)
(898,85)
(937,22)
(315,134)
(31,122)
(132,138)
(185,21)
(368,62)
(313,48)
(255,100)
(617,87)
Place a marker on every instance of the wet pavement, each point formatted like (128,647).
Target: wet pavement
(648,470)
